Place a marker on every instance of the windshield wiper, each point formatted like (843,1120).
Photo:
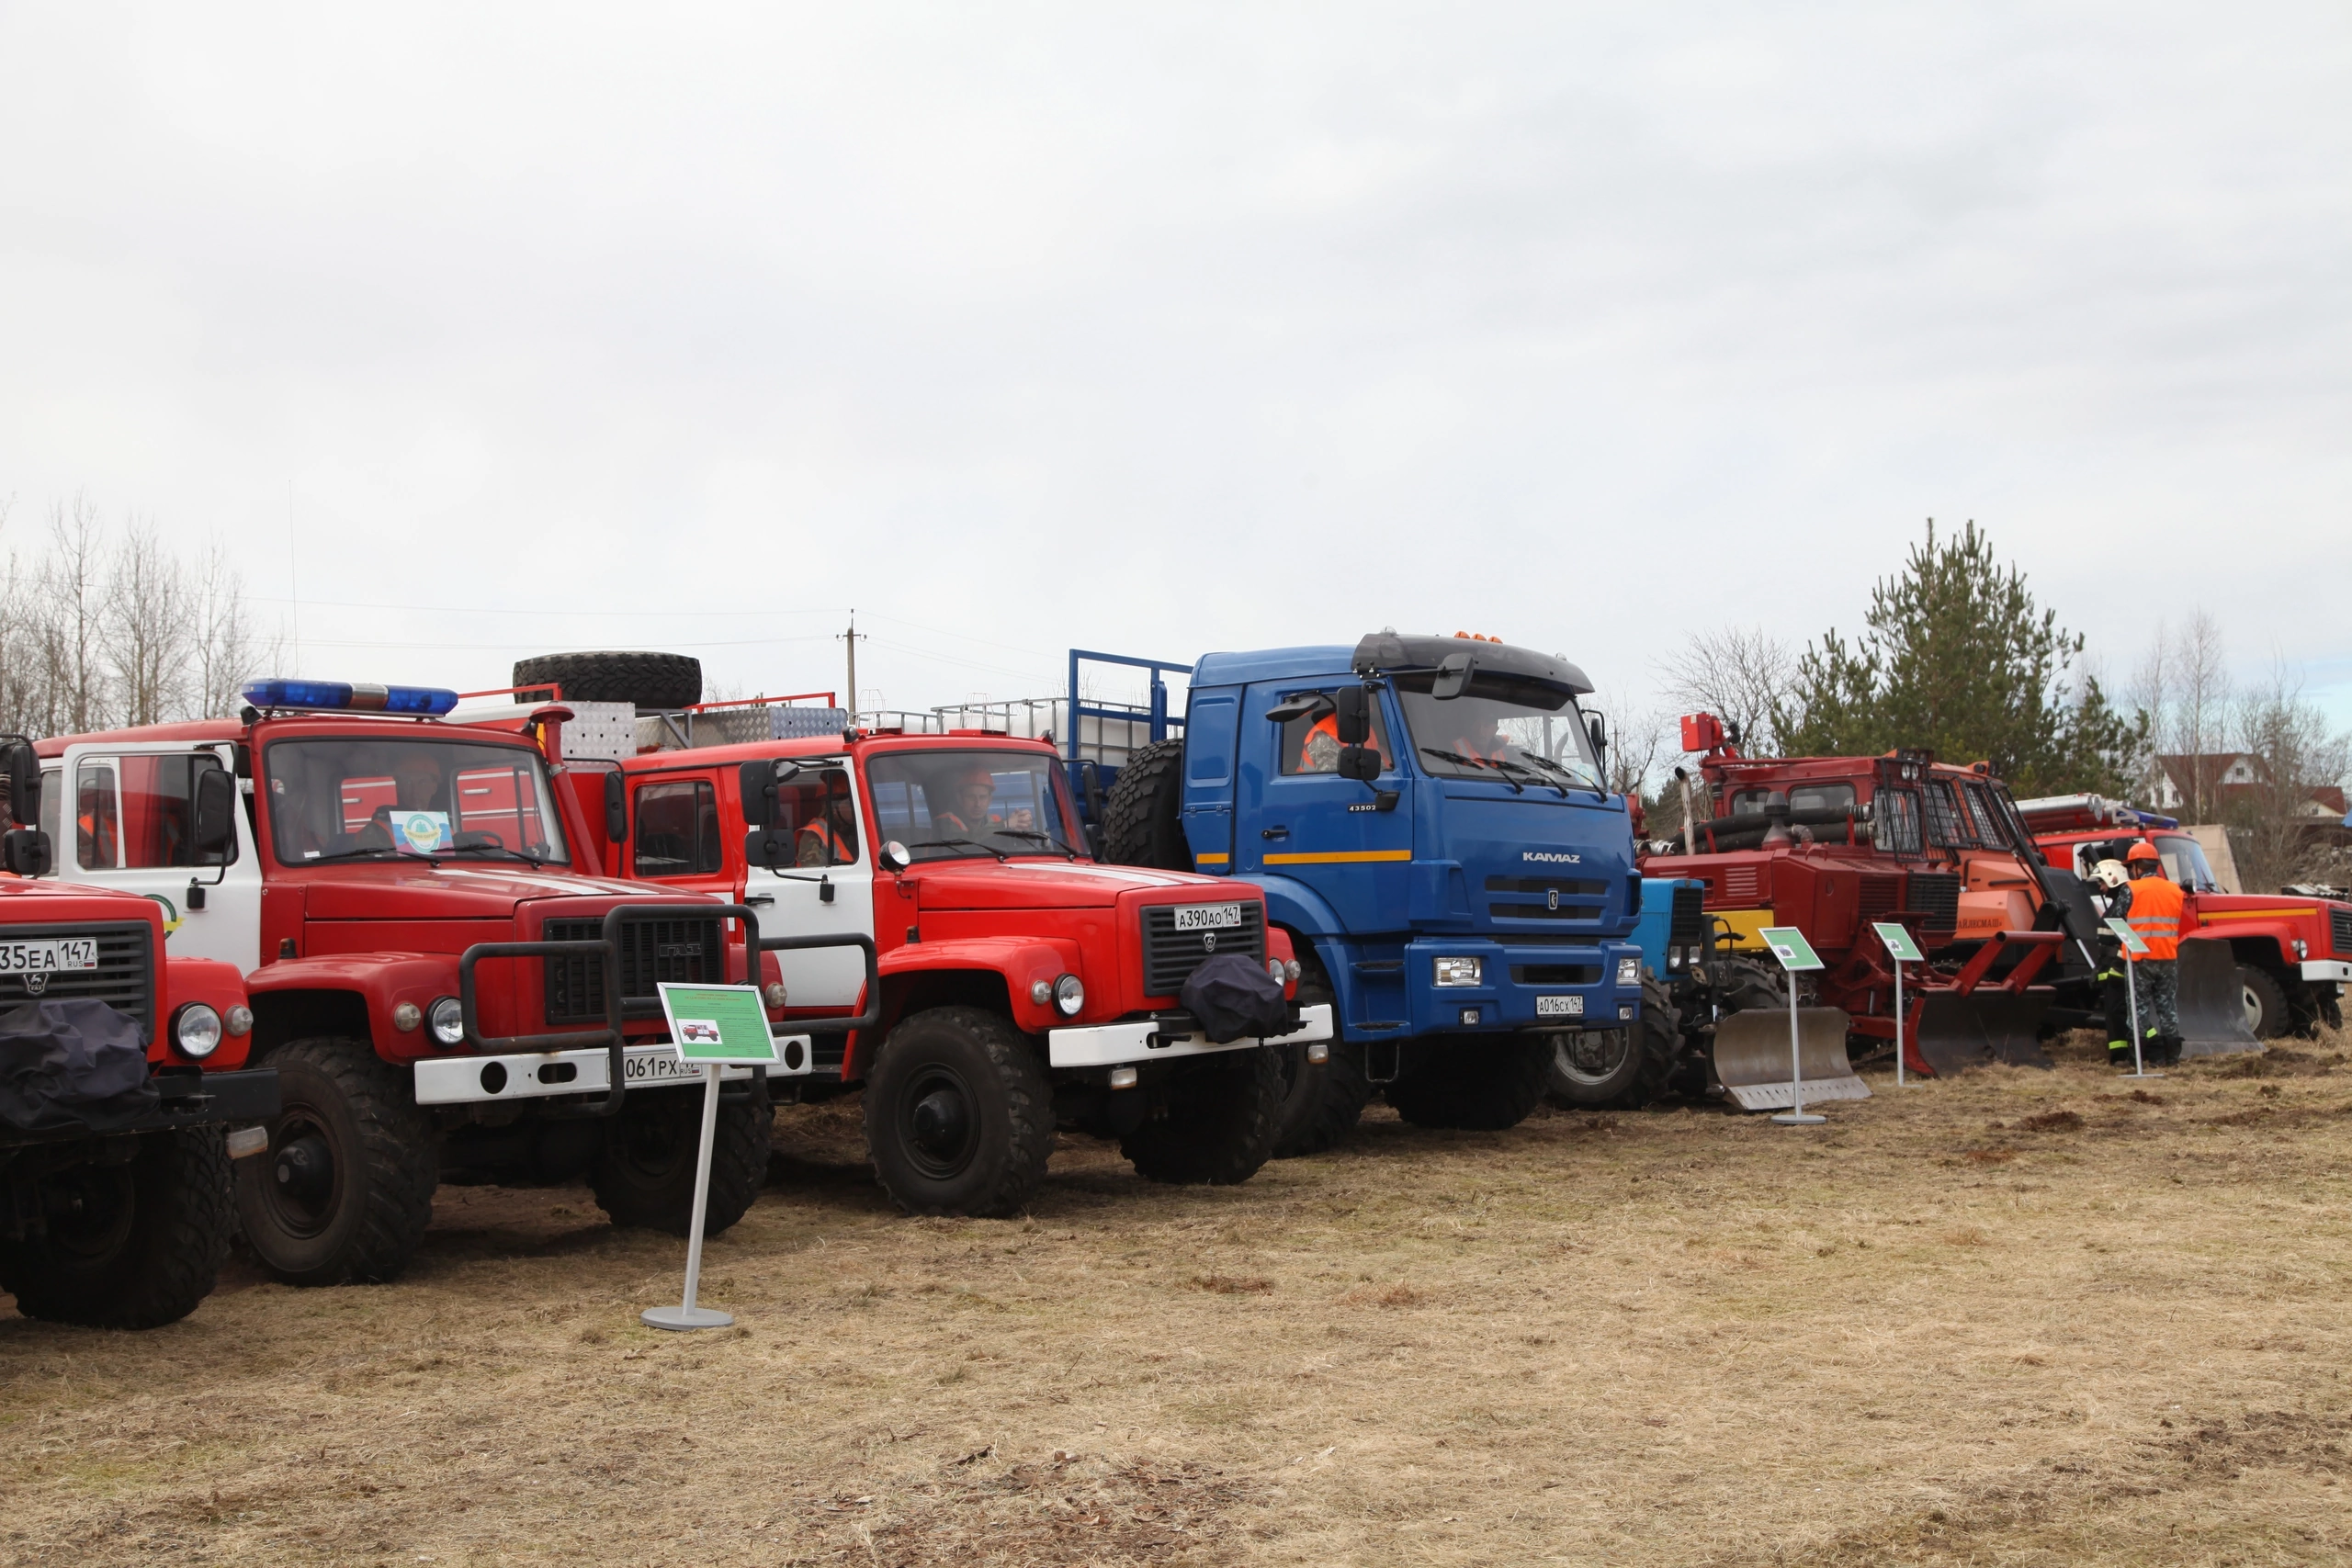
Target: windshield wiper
(497,850)
(1495,763)
(1548,762)
(951,843)
(1045,839)
(355,855)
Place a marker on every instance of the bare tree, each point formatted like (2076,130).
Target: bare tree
(228,649)
(72,606)
(145,629)
(2278,833)
(1741,674)
(2183,685)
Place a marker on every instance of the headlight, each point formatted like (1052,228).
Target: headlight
(1674,958)
(241,1022)
(1293,969)
(1629,971)
(1457,971)
(1274,970)
(406,1016)
(448,1020)
(774,993)
(196,1030)
(1041,991)
(1069,995)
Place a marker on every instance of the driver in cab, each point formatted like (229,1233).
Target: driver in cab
(416,786)
(968,794)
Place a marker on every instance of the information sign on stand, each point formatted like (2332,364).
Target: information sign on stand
(1796,955)
(2134,946)
(1902,950)
(717,1026)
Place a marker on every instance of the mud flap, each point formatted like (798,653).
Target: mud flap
(1957,1030)
(1752,1057)
(2212,1001)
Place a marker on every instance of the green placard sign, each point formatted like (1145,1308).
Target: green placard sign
(1789,946)
(717,1023)
(1899,945)
(2132,941)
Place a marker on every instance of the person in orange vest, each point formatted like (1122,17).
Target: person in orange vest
(830,837)
(2113,898)
(969,795)
(2156,902)
(1320,752)
(93,823)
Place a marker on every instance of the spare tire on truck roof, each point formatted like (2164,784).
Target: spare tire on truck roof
(655,681)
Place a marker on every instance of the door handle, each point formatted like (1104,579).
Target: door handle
(1273,832)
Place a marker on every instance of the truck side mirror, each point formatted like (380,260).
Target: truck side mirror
(22,764)
(1351,707)
(1596,729)
(1307,704)
(214,810)
(894,857)
(1453,676)
(767,847)
(756,784)
(26,852)
(616,808)
(1358,763)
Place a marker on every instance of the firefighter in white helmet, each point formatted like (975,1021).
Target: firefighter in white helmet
(2113,896)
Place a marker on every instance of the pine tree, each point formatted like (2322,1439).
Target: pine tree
(1956,657)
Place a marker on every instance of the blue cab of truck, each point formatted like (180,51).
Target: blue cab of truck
(1428,816)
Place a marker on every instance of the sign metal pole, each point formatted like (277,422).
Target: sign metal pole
(1901,949)
(1790,946)
(714,1025)
(1898,1023)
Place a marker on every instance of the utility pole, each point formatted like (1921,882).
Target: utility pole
(850,638)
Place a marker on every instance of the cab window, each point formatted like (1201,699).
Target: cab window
(158,803)
(97,817)
(2184,862)
(1820,797)
(820,837)
(677,829)
(1312,745)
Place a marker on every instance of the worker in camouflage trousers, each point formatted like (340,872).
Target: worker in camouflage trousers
(2114,900)
(2156,905)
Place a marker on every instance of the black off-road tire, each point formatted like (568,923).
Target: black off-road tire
(148,1245)
(1477,1082)
(2268,1015)
(1215,1121)
(1143,817)
(1321,1103)
(1636,1076)
(385,1157)
(644,1176)
(976,1057)
(656,681)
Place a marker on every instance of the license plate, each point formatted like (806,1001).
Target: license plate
(1559,1007)
(1208,917)
(47,957)
(659,1064)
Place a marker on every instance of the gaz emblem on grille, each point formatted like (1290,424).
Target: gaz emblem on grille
(35,984)
(1209,943)
(678,949)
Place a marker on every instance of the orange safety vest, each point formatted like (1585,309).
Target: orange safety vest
(2156,902)
(1327,726)
(825,837)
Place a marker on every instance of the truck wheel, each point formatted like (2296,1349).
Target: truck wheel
(1620,1069)
(663,680)
(1483,1083)
(1320,1104)
(2265,1003)
(132,1245)
(1142,820)
(959,1117)
(344,1191)
(1216,1121)
(644,1176)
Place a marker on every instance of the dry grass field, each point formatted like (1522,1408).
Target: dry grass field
(2019,1318)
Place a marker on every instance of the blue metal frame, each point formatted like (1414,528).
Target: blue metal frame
(1161,725)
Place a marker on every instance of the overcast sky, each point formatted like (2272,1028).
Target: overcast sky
(501,329)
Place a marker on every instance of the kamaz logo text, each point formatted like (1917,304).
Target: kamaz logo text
(1551,857)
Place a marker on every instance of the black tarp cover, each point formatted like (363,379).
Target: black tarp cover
(1234,999)
(72,1062)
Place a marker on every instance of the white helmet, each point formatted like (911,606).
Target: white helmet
(2110,874)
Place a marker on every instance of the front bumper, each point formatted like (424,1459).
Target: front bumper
(2324,969)
(188,1100)
(1148,1040)
(1501,1002)
(543,1075)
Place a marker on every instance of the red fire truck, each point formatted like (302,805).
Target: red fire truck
(443,985)
(2293,955)
(120,1071)
(1022,986)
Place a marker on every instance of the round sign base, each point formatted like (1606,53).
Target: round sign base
(681,1318)
(2139,1075)
(1798,1119)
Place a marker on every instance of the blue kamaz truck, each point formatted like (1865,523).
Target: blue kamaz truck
(1428,818)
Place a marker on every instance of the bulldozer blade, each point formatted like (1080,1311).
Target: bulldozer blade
(1752,1057)
(1958,1029)
(2212,1001)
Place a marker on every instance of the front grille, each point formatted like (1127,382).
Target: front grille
(1880,897)
(1170,956)
(1564,887)
(124,979)
(1555,974)
(1935,897)
(682,951)
(1687,926)
(1546,912)
(2339,926)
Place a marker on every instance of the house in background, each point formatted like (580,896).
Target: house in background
(2225,778)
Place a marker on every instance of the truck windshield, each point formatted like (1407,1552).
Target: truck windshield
(1519,731)
(954,805)
(374,799)
(2183,860)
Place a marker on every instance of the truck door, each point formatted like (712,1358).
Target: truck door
(1212,727)
(124,818)
(829,890)
(1301,820)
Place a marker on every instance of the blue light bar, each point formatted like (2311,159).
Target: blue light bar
(349,697)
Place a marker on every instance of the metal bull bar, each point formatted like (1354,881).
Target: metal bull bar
(847,1021)
(1972,1019)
